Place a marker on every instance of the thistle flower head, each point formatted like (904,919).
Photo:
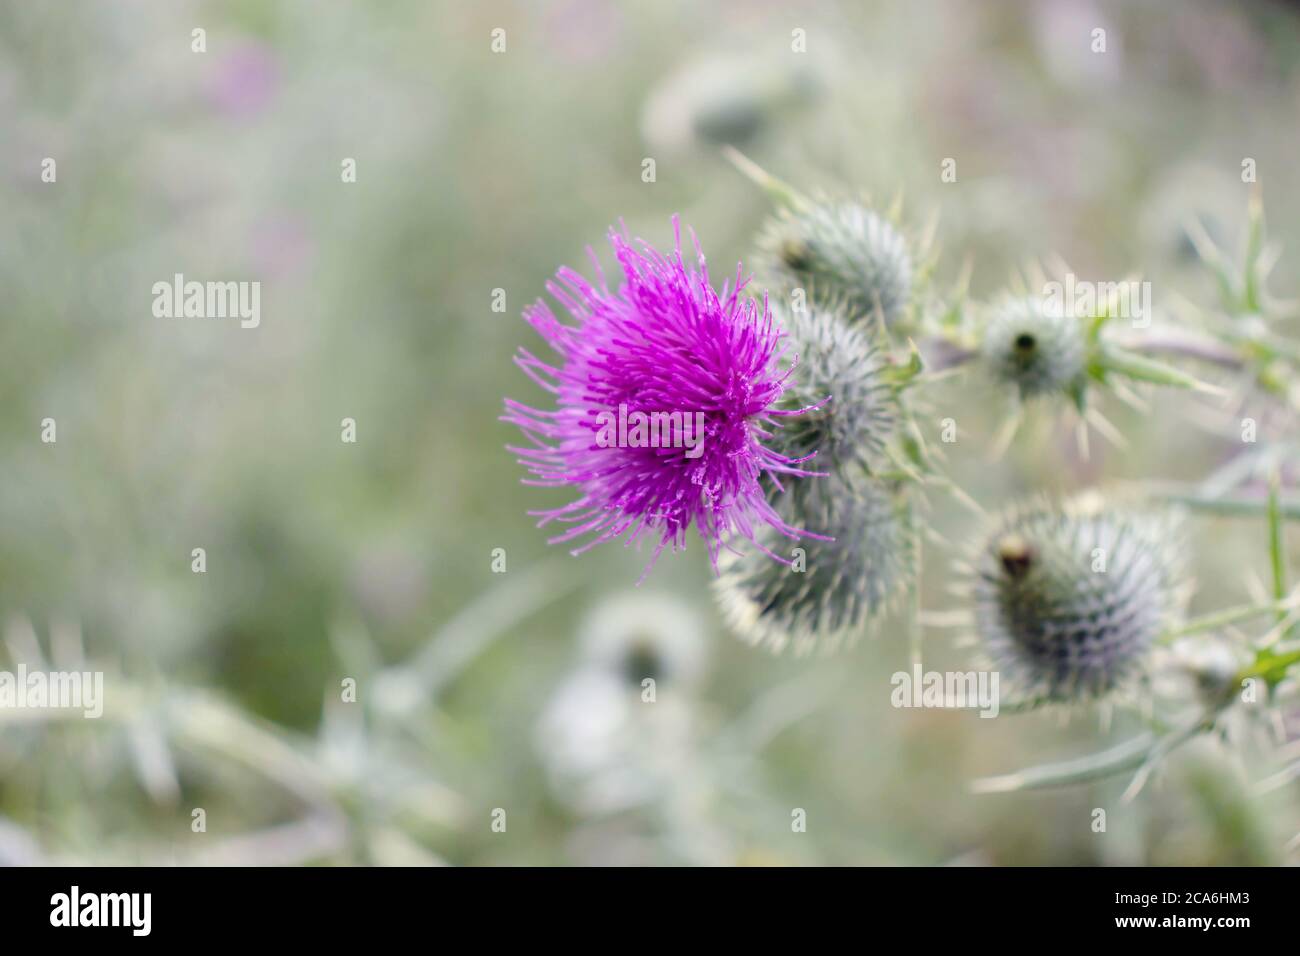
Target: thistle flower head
(849,409)
(841,251)
(1069,600)
(826,599)
(698,374)
(1033,345)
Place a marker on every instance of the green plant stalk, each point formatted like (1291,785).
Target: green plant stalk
(1129,755)
(1232,615)
(1136,753)
(779,191)
(1232,505)
(1277,557)
(1251,299)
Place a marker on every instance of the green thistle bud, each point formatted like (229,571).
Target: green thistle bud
(1069,600)
(841,253)
(723,99)
(828,595)
(642,635)
(1034,347)
(841,372)
(1212,664)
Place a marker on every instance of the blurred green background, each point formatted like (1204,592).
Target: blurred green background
(481,170)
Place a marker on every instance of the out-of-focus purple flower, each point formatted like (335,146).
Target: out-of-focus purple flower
(665,342)
(281,245)
(585,31)
(244,81)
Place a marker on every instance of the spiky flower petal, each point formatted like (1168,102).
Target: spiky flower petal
(703,365)
(841,251)
(827,599)
(1070,599)
(850,409)
(1031,344)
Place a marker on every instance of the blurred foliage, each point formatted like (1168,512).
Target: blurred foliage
(479,171)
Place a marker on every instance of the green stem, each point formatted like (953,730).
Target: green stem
(1254,247)
(1232,615)
(780,192)
(1277,557)
(1129,755)
(1237,506)
(1181,345)
(1137,753)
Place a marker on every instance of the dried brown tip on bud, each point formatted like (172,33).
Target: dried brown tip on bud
(795,253)
(1016,555)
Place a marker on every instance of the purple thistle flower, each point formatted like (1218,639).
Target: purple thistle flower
(665,342)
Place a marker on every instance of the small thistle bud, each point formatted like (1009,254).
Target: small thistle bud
(825,598)
(841,252)
(1069,600)
(621,724)
(1211,663)
(1016,555)
(723,99)
(1035,347)
(839,376)
(640,635)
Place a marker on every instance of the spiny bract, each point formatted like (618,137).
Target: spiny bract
(839,378)
(1069,600)
(1034,346)
(841,251)
(825,600)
